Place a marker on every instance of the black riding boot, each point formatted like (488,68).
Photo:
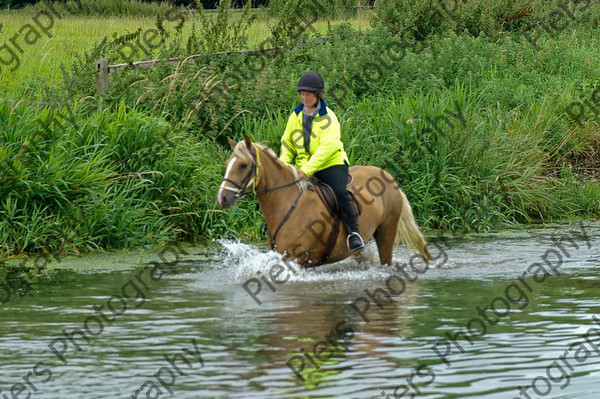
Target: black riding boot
(350,219)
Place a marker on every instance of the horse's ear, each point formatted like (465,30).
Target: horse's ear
(248,142)
(232,142)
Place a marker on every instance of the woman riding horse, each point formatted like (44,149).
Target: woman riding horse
(312,140)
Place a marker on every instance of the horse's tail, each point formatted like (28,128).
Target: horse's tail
(408,230)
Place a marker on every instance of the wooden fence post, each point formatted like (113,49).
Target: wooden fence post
(102,76)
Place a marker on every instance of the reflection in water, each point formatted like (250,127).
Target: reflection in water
(309,323)
(558,372)
(18,281)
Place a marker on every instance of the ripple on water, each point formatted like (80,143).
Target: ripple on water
(245,346)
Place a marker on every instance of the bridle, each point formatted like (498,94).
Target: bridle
(251,180)
(241,190)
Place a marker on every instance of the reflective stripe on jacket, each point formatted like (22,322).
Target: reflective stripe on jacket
(326,147)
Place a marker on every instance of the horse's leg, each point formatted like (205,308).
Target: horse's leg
(385,236)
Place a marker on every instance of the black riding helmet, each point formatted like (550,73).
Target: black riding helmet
(311,81)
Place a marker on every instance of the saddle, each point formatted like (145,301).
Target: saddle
(325,193)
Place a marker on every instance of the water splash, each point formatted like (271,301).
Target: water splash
(245,261)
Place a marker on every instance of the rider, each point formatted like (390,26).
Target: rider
(312,137)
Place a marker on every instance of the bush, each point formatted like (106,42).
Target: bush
(415,19)
(119,178)
(224,32)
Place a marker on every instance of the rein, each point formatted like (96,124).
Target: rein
(267,189)
(285,218)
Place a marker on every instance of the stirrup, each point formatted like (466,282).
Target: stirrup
(362,243)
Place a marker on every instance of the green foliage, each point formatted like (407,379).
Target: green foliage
(410,18)
(224,32)
(293,19)
(121,179)
(144,163)
(472,176)
(416,19)
(68,189)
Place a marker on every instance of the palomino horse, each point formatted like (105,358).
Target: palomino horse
(297,220)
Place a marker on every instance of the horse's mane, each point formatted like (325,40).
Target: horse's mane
(241,150)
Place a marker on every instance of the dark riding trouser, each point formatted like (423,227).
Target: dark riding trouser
(336,177)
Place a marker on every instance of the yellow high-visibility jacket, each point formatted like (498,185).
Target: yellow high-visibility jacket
(325,149)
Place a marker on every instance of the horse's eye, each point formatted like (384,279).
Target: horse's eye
(243,166)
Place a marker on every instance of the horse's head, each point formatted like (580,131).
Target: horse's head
(240,173)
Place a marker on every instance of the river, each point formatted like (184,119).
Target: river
(189,329)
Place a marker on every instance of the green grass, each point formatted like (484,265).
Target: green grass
(72,35)
(120,179)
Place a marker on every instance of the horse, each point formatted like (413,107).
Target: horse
(298,222)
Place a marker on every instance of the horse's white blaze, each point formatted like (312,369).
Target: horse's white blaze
(226,177)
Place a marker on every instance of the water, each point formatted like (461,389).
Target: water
(200,306)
